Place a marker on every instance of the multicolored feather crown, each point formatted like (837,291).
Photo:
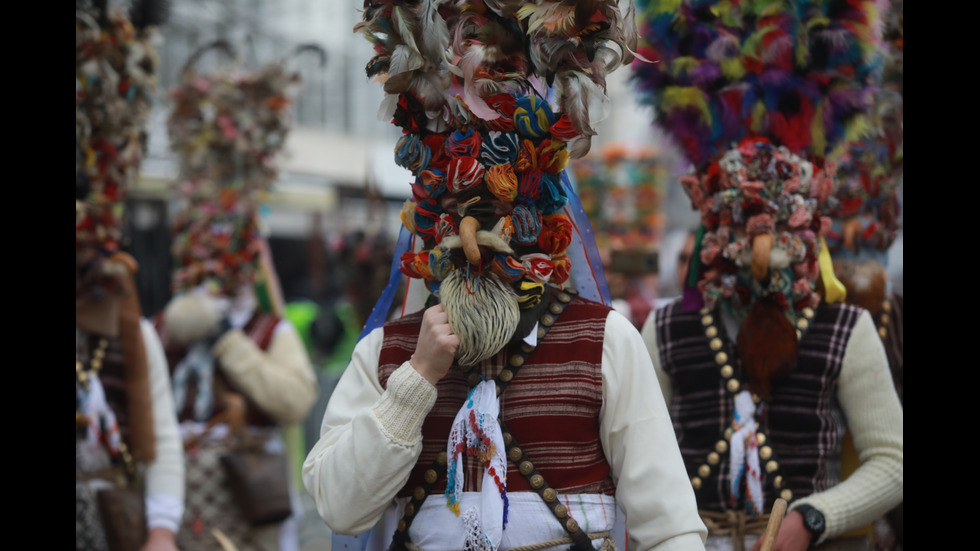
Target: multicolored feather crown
(493,99)
(795,73)
(867,213)
(226,129)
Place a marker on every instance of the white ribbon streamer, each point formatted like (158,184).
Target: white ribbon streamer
(744,454)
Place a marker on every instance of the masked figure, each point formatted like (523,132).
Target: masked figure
(763,365)
(514,408)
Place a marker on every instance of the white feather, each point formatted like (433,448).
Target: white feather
(435,33)
(583,99)
(430,87)
(559,17)
(402,19)
(404,59)
(470,62)
(388,105)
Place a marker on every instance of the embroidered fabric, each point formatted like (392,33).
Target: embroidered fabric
(103,428)
(476,432)
(596,513)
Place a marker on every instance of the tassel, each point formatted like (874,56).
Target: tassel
(692,297)
(834,290)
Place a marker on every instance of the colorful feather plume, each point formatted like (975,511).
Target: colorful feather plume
(797,73)
(867,210)
(226,128)
(493,97)
(444,52)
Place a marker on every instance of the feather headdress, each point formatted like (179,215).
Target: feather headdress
(440,49)
(115,83)
(867,212)
(797,73)
(493,99)
(226,128)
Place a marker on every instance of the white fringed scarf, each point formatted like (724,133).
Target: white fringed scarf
(745,454)
(197,367)
(476,432)
(103,427)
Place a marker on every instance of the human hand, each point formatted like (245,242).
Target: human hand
(436,346)
(160,539)
(793,535)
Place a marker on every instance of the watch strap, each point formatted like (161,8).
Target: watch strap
(813,520)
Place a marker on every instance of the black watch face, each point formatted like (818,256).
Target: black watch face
(814,521)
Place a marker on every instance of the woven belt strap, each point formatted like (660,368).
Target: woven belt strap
(736,524)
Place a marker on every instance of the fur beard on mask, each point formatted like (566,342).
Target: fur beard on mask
(767,345)
(484,314)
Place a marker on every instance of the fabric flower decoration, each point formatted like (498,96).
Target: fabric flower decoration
(533,117)
(499,148)
(538,266)
(556,234)
(464,173)
(463,143)
(552,197)
(502,182)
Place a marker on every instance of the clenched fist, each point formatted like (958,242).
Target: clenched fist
(436,347)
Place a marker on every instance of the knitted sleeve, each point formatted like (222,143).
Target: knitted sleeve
(353,479)
(649,333)
(280,380)
(875,419)
(165,474)
(652,486)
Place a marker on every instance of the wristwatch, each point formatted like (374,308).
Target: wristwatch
(813,520)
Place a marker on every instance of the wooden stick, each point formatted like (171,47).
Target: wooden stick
(772,528)
(223,540)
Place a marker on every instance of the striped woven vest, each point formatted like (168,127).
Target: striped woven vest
(260,330)
(551,406)
(803,420)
